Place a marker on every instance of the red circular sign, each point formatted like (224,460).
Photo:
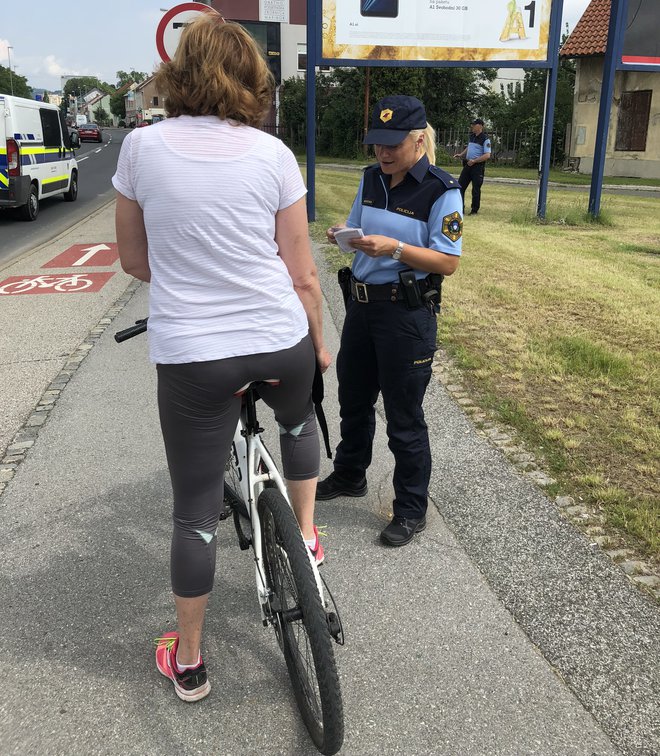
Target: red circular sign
(168,18)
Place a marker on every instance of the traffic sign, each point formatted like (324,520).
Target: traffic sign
(89,255)
(172,25)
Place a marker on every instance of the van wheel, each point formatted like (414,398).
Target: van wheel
(30,210)
(72,194)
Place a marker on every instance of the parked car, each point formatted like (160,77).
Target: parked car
(91,132)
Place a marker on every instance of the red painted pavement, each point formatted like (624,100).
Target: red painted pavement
(91,255)
(59,283)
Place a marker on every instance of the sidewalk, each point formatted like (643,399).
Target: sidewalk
(498,631)
(500,180)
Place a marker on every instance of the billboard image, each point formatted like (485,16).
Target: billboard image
(435,30)
(641,38)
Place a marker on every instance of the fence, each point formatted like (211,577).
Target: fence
(518,147)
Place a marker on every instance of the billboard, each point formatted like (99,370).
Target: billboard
(641,37)
(458,32)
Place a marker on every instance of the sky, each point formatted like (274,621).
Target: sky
(51,39)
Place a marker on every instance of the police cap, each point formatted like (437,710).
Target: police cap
(393,118)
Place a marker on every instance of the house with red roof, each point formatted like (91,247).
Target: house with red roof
(633,142)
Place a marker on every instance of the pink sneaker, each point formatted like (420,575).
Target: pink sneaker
(317,549)
(191,684)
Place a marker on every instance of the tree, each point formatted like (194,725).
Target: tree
(46,98)
(15,83)
(132,77)
(101,116)
(80,85)
(452,97)
(118,105)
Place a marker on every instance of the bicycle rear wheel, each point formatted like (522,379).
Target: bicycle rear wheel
(300,623)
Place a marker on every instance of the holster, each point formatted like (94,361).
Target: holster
(434,295)
(344,278)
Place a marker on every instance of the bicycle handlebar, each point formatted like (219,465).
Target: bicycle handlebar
(135,330)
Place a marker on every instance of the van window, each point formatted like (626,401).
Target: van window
(50,122)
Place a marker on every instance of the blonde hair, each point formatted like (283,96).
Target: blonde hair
(428,145)
(218,69)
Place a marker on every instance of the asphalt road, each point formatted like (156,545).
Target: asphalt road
(97,164)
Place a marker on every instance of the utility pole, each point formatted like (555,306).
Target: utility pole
(11,81)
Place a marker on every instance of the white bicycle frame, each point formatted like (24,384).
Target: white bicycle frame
(250,451)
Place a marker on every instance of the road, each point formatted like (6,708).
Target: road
(97,165)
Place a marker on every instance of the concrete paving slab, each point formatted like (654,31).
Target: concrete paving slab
(39,331)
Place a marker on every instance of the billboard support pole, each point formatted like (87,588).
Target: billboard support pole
(311,109)
(549,111)
(617,14)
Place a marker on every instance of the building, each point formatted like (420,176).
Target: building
(280,27)
(633,142)
(143,103)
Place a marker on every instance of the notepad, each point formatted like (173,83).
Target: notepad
(344,235)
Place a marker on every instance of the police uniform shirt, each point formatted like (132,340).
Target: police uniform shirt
(424,210)
(477,146)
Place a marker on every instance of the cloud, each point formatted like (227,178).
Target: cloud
(52,66)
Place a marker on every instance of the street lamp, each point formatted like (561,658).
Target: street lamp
(11,81)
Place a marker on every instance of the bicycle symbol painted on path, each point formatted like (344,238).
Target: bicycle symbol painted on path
(65,283)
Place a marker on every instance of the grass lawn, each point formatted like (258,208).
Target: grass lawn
(556,328)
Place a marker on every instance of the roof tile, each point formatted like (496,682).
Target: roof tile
(590,34)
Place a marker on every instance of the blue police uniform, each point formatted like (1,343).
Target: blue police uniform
(478,146)
(385,346)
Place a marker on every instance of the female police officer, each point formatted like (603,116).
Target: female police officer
(411,215)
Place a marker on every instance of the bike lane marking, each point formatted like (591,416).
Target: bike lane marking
(61,283)
(98,255)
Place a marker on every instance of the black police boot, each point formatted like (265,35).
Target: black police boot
(401,531)
(334,485)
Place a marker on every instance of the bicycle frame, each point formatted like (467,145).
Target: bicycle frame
(250,452)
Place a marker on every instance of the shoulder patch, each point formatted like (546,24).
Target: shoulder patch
(447,179)
(452,226)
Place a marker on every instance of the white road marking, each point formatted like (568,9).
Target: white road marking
(91,251)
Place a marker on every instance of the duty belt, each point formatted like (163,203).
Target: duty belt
(363,292)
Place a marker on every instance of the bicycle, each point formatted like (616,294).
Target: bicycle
(294,599)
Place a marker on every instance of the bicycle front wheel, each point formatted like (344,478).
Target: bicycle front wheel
(300,623)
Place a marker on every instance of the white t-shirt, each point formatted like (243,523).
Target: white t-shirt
(209,191)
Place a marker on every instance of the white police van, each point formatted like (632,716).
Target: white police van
(36,157)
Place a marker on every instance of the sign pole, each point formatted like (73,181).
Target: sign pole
(618,11)
(549,112)
(311,108)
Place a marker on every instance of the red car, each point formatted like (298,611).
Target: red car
(90,131)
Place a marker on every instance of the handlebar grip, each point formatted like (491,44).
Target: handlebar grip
(135,330)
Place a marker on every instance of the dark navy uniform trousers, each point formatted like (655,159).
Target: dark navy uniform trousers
(387,348)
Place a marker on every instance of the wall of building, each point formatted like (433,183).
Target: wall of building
(588,83)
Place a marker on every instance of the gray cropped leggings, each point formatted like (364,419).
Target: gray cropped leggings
(199,410)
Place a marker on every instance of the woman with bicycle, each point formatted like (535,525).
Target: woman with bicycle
(211,212)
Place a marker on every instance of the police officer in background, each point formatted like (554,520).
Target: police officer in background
(411,215)
(474,158)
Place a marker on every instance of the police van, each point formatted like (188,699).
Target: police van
(36,156)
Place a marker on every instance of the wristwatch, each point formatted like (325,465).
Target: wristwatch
(396,255)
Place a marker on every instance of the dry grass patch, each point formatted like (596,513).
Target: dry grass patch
(556,328)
